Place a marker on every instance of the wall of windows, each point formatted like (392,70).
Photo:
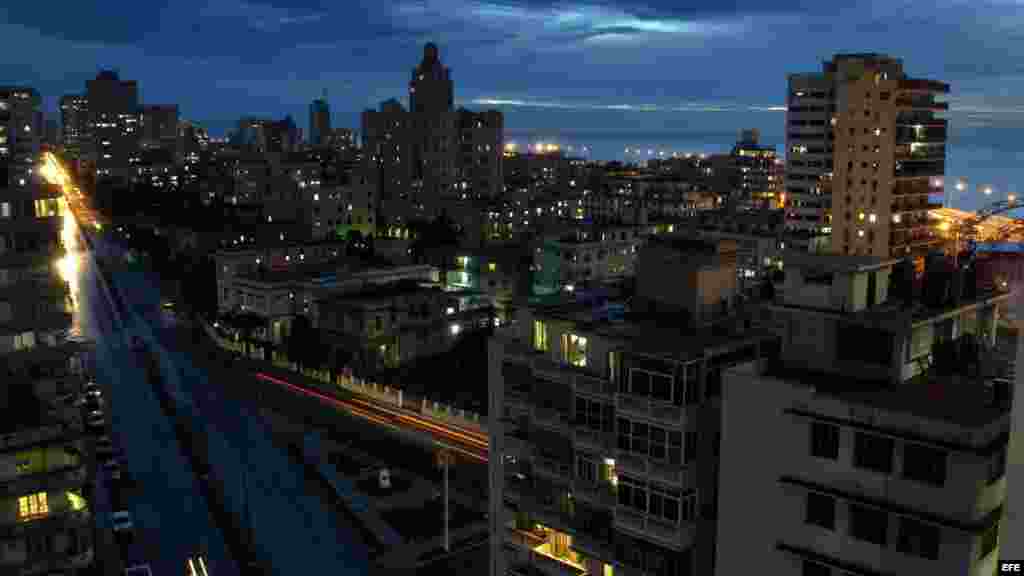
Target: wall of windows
(662,502)
(594,415)
(650,441)
(659,384)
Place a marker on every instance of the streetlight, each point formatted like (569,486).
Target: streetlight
(444,459)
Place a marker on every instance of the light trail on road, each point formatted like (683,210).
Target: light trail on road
(467,445)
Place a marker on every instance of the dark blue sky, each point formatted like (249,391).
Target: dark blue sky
(219,59)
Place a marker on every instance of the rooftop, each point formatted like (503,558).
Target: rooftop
(384,292)
(962,399)
(836,263)
(660,334)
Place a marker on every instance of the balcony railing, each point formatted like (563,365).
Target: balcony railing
(922,104)
(54,480)
(647,408)
(594,440)
(30,437)
(551,418)
(600,493)
(594,385)
(675,536)
(552,468)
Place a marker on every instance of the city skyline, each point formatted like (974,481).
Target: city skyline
(235,59)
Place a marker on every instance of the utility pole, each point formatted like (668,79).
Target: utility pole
(444,460)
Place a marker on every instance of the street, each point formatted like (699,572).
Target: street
(293,530)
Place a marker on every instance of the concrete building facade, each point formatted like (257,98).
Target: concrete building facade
(887,421)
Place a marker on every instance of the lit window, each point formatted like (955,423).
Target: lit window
(872,218)
(455,329)
(860,233)
(540,336)
(492,267)
(574,349)
(33,506)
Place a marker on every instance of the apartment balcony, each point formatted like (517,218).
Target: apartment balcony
(913,152)
(676,537)
(909,223)
(922,104)
(673,474)
(56,520)
(594,440)
(551,418)
(923,85)
(598,493)
(517,444)
(35,436)
(593,385)
(516,486)
(661,412)
(53,481)
(57,562)
(546,368)
(553,469)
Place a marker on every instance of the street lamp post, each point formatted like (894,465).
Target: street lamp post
(444,457)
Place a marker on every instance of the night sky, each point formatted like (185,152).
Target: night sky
(603,65)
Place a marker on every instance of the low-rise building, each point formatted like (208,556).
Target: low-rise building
(278,296)
(389,325)
(586,254)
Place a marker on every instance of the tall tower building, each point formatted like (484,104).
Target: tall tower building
(113,119)
(413,159)
(21,131)
(319,122)
(864,150)
(431,89)
(75,134)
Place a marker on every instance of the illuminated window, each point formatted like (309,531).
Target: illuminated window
(540,336)
(492,267)
(574,349)
(32,506)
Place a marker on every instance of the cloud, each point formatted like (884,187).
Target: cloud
(626,107)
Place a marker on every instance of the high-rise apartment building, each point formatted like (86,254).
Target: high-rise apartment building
(75,133)
(45,521)
(874,441)
(319,122)
(21,133)
(158,126)
(604,422)
(114,122)
(756,177)
(414,159)
(864,150)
